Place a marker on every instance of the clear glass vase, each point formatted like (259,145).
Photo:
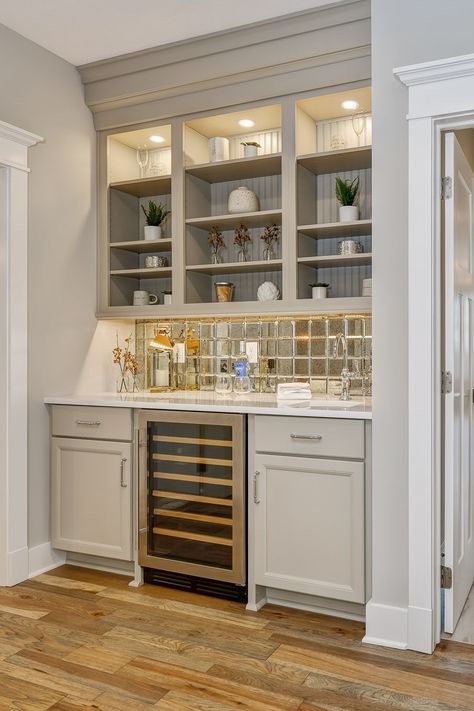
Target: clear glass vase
(124,383)
(242,254)
(215,257)
(269,252)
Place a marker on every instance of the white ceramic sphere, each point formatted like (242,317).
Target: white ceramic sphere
(268,291)
(242,200)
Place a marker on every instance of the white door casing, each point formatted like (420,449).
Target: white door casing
(458,361)
(441,97)
(14,144)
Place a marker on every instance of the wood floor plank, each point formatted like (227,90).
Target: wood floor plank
(81,640)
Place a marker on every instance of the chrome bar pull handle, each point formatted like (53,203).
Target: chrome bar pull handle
(314,438)
(123,484)
(89,423)
(256,500)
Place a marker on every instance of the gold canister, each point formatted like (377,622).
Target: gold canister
(224,290)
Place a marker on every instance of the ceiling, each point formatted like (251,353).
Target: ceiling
(83,31)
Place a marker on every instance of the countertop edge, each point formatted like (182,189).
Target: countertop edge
(359,412)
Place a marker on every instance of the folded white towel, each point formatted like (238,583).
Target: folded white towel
(293,391)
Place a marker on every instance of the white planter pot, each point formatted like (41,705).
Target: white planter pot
(152,232)
(348,213)
(319,292)
(242,200)
(250,151)
(218,149)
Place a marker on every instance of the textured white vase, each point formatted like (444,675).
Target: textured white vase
(218,149)
(348,213)
(319,292)
(250,151)
(242,200)
(268,291)
(152,232)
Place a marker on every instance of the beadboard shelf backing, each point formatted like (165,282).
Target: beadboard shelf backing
(237,169)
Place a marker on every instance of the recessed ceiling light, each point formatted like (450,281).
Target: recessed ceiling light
(350,105)
(246,123)
(157,139)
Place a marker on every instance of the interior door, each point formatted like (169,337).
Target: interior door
(458,403)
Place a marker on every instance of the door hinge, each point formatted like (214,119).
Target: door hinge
(446,382)
(446,578)
(446,187)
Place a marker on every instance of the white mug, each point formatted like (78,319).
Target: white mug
(143,298)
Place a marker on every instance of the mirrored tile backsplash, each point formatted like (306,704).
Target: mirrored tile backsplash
(285,349)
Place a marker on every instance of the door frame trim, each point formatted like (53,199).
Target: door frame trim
(14,554)
(439,99)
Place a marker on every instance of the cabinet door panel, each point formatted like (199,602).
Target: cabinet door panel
(309,526)
(91,497)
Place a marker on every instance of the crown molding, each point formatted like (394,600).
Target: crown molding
(18,135)
(289,47)
(438,70)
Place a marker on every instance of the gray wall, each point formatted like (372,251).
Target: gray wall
(43,94)
(403,32)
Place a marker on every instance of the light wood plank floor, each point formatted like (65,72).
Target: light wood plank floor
(79,639)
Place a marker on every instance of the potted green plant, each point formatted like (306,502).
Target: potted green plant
(250,148)
(319,290)
(155,217)
(346,194)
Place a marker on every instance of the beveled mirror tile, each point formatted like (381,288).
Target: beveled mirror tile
(302,366)
(140,331)
(222,347)
(355,327)
(207,348)
(319,366)
(368,326)
(335,367)
(285,366)
(318,385)
(237,330)
(207,330)
(302,329)
(367,347)
(178,330)
(319,327)
(222,329)
(354,347)
(336,326)
(285,329)
(252,330)
(150,329)
(319,347)
(207,366)
(302,347)
(268,348)
(334,387)
(269,329)
(285,348)
(235,347)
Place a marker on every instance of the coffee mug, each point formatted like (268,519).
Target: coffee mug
(143,298)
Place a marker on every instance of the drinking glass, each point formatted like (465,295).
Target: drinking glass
(223,384)
(242,385)
(142,159)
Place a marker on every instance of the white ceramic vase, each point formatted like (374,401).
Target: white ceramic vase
(152,232)
(242,200)
(348,213)
(218,149)
(250,151)
(319,292)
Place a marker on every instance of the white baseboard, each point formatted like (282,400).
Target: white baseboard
(43,558)
(17,567)
(420,629)
(386,625)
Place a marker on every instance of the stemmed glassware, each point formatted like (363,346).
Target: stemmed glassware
(142,159)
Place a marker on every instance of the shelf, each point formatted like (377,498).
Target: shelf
(144,245)
(337,229)
(188,535)
(158,273)
(145,187)
(337,260)
(343,304)
(237,169)
(337,161)
(229,222)
(204,518)
(264,265)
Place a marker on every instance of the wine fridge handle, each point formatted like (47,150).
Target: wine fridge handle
(256,500)
(123,484)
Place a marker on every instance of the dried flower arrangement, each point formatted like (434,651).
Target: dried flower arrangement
(216,241)
(242,236)
(127,362)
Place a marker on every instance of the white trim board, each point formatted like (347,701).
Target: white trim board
(14,144)
(43,558)
(440,97)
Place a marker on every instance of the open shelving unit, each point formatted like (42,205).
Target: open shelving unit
(305,143)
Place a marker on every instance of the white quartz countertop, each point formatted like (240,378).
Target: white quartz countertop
(208,401)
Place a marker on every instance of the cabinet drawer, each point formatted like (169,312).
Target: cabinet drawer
(92,422)
(310,436)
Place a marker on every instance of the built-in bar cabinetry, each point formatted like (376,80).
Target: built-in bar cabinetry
(304,143)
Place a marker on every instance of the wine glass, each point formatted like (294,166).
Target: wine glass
(142,159)
(358,125)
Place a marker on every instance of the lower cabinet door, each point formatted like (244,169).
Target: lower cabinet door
(309,526)
(91,497)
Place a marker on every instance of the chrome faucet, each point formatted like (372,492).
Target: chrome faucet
(346,375)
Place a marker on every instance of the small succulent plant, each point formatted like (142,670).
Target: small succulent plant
(156,214)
